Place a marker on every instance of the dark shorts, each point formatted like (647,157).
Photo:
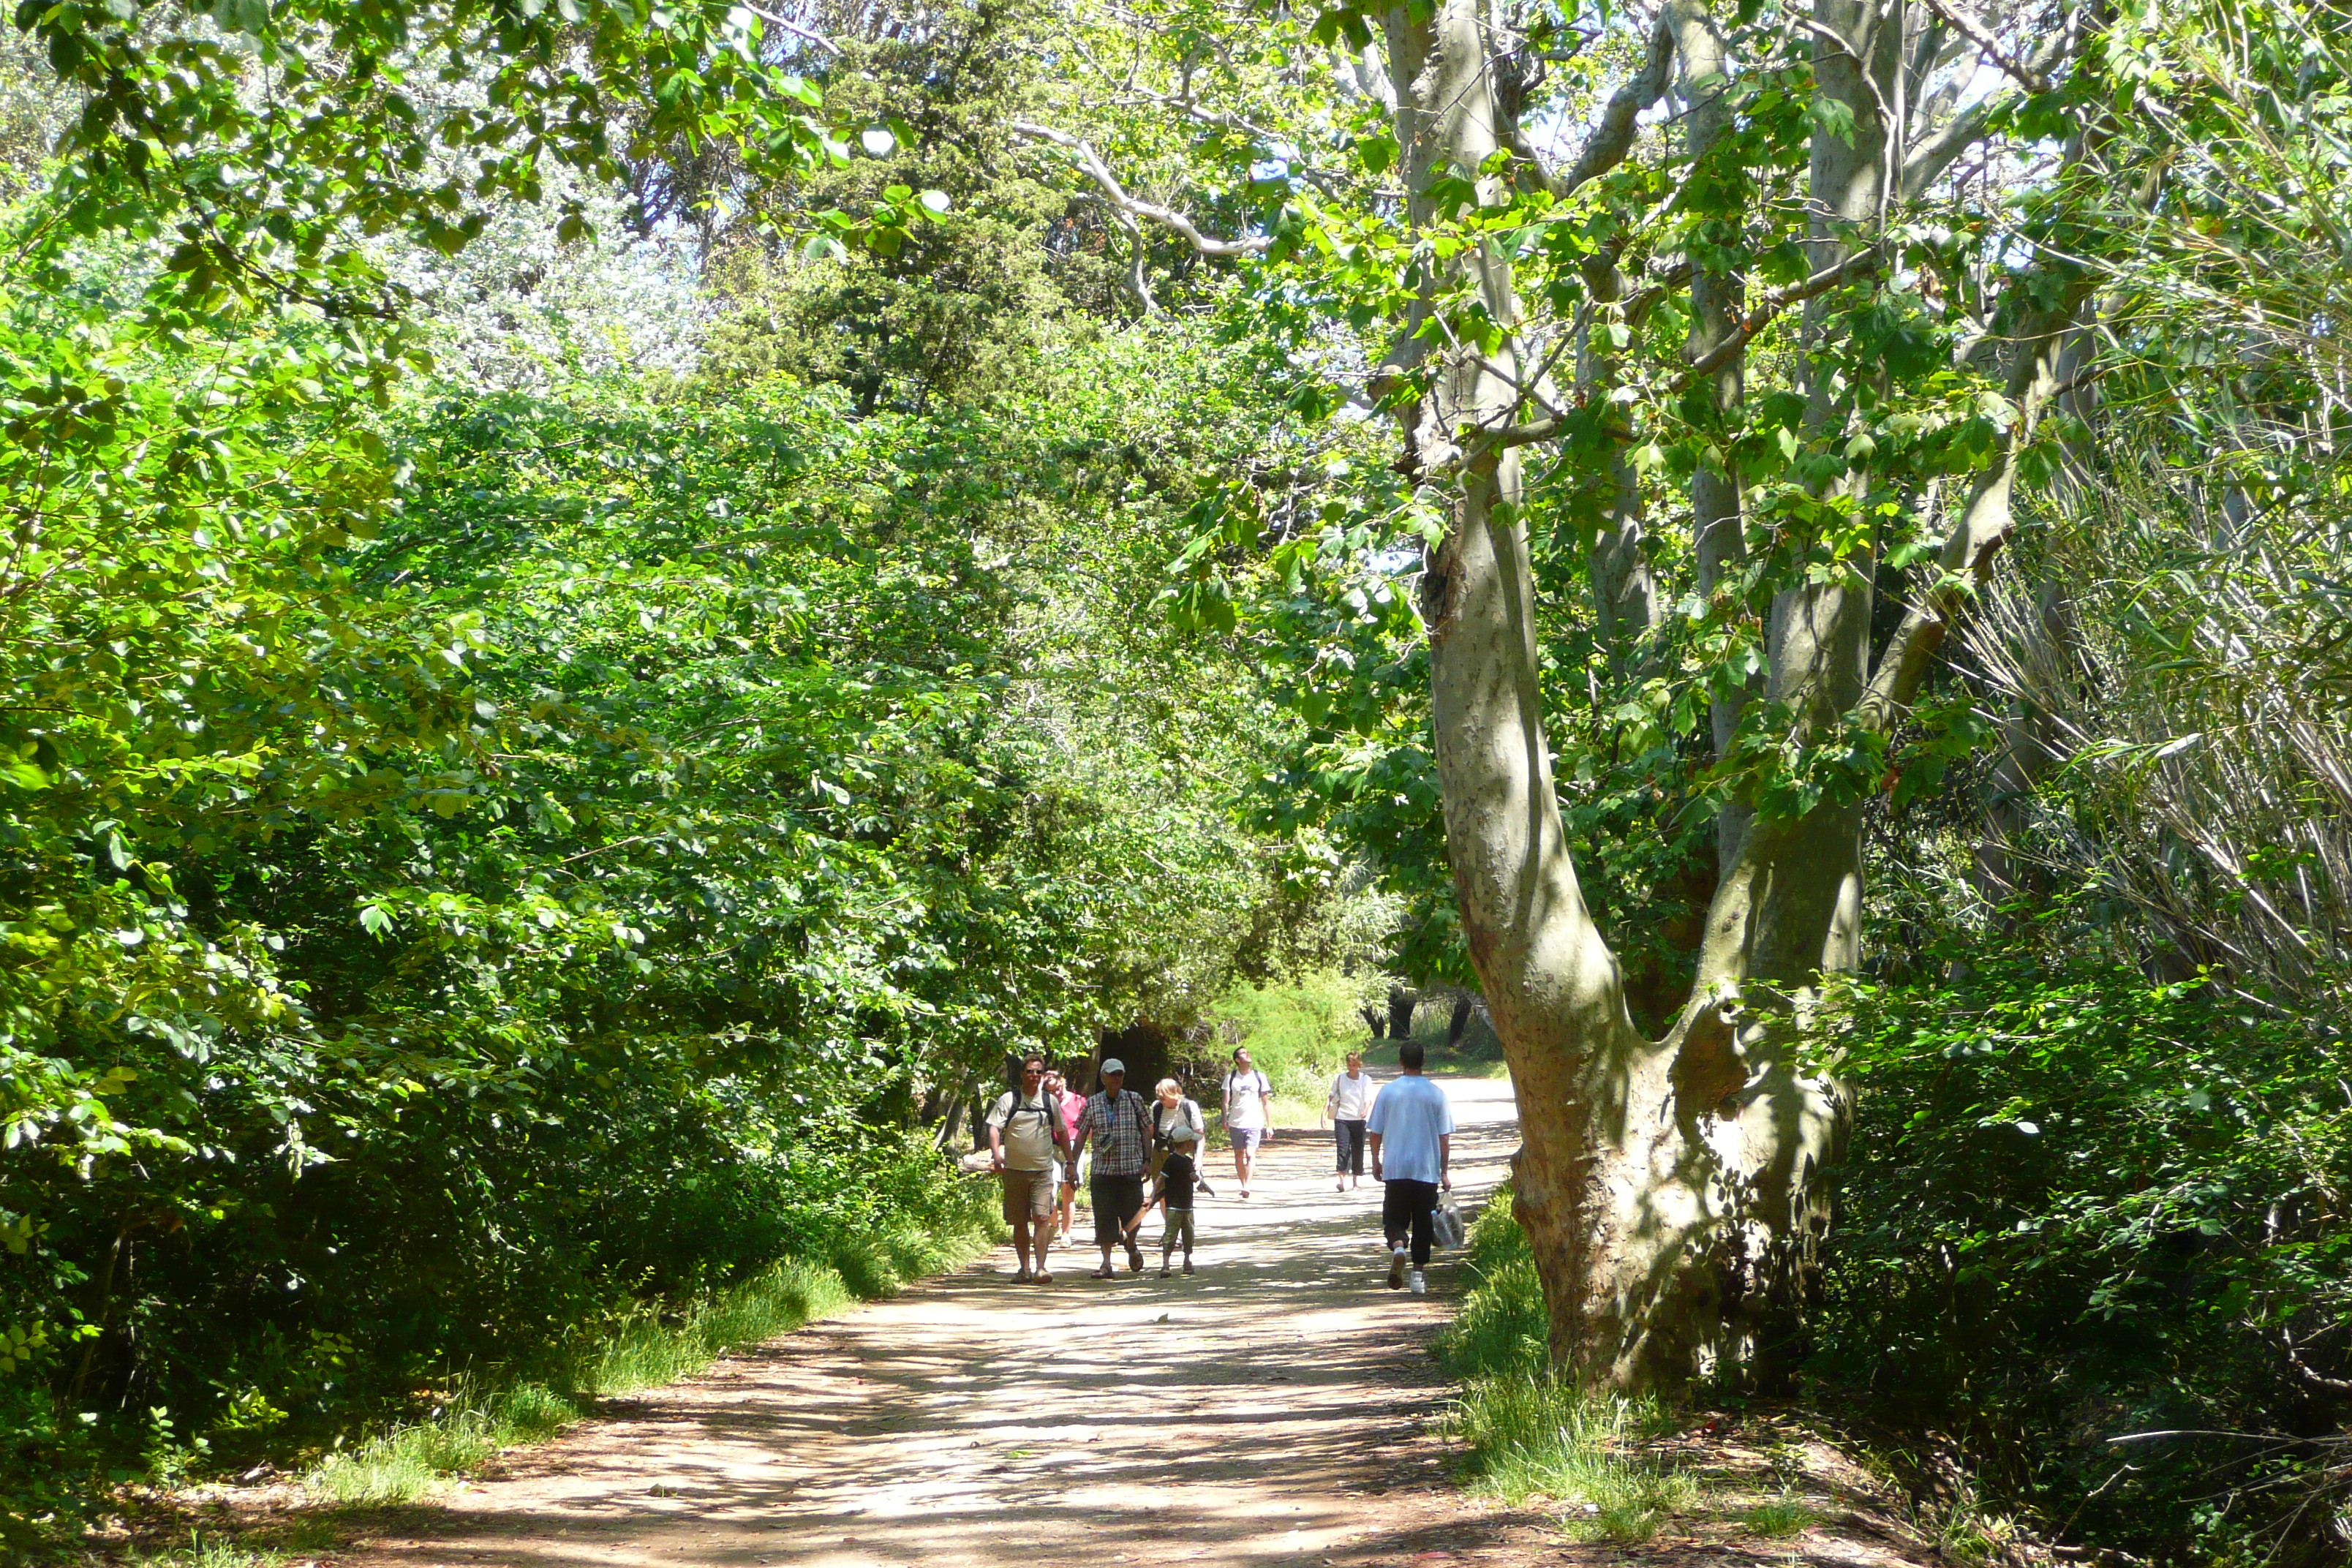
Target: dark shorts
(1116,1201)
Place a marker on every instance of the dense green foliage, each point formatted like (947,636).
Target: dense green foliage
(480,863)
(2097,1226)
(603,607)
(536,878)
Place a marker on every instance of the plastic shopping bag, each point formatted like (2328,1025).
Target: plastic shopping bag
(1447,1224)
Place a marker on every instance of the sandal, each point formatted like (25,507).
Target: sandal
(1022,1278)
(1103,1273)
(1041,1277)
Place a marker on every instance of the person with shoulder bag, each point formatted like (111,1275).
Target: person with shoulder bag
(1025,1135)
(1179,1131)
(1350,1107)
(1118,1125)
(1411,1135)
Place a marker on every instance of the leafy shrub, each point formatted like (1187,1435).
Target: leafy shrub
(1298,1031)
(2084,1208)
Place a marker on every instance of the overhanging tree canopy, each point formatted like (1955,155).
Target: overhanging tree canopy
(1743,325)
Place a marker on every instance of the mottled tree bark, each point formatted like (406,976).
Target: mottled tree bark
(1674,1190)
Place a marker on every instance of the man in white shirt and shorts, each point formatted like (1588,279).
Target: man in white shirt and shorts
(1412,1134)
(1249,1114)
(1025,1132)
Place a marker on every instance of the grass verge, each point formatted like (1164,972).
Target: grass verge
(645,1350)
(1530,1435)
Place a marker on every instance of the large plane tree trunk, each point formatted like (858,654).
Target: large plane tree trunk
(1674,1190)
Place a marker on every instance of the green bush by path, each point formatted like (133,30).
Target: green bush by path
(1298,1031)
(2083,1207)
(479,871)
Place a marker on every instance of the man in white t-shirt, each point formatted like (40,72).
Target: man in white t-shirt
(1249,1114)
(1025,1132)
(1349,1106)
(1412,1132)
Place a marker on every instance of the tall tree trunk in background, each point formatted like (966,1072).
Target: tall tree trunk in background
(1718,292)
(1403,999)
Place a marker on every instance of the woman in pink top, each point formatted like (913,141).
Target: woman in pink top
(1074,1106)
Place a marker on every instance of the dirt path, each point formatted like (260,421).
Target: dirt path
(1271,1410)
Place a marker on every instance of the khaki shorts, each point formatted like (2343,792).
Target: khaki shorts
(1028,1195)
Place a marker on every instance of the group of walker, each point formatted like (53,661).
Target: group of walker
(1147,1156)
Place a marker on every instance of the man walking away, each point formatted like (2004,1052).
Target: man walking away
(1249,1114)
(1024,1134)
(1412,1132)
(1119,1125)
(1349,1103)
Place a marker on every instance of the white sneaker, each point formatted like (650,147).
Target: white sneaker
(1419,1284)
(1396,1269)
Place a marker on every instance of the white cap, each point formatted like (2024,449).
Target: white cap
(1111,1065)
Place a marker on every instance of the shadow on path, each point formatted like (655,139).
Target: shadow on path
(1273,1409)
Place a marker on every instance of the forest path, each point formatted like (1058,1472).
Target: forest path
(1271,1410)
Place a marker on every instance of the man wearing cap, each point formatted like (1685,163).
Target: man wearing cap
(1117,1123)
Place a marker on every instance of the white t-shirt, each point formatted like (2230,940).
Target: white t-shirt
(1028,1129)
(1409,1116)
(1242,1106)
(1183,1124)
(1351,1097)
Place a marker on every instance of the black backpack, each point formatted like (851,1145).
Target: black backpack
(1057,1132)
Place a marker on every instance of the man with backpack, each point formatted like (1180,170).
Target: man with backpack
(1119,1125)
(1249,1114)
(1026,1133)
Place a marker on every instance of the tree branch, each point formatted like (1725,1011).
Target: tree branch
(1861,263)
(2025,73)
(794,28)
(1091,162)
(1613,137)
(1985,524)
(1935,154)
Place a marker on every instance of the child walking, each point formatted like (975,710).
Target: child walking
(1178,1128)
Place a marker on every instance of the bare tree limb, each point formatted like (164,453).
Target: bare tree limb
(1613,137)
(1091,162)
(1861,263)
(2027,74)
(2304,1370)
(809,34)
(1927,161)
